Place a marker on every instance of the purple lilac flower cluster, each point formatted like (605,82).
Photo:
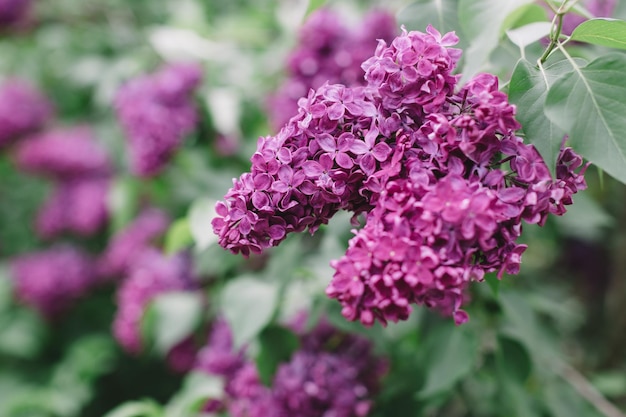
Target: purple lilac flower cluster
(332,373)
(80,169)
(327,51)
(152,274)
(156,111)
(13,12)
(51,280)
(23,109)
(440,175)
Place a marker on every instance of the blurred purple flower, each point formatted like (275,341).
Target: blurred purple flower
(152,274)
(51,280)
(64,154)
(125,248)
(23,109)
(156,112)
(597,8)
(333,373)
(13,12)
(77,206)
(328,51)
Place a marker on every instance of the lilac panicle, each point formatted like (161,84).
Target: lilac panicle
(51,280)
(76,206)
(23,109)
(127,245)
(328,51)
(332,373)
(156,112)
(437,170)
(64,154)
(151,275)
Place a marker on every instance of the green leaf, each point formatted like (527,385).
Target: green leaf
(142,408)
(175,316)
(248,305)
(513,359)
(528,34)
(563,401)
(528,90)
(494,283)
(178,236)
(122,202)
(441,14)
(276,345)
(314,5)
(603,32)
(201,213)
(197,389)
(483,22)
(450,353)
(588,104)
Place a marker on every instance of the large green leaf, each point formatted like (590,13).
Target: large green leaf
(588,103)
(450,353)
(248,304)
(175,316)
(483,22)
(276,345)
(528,90)
(603,32)
(442,14)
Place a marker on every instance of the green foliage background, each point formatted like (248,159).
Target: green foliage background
(549,342)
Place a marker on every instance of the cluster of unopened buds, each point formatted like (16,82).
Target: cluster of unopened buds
(436,169)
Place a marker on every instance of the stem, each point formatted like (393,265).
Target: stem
(554,36)
(588,391)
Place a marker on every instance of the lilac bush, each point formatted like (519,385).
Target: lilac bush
(438,171)
(23,109)
(156,112)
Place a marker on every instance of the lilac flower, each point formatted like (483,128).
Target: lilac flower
(333,373)
(64,154)
(126,247)
(51,280)
(219,356)
(328,51)
(77,206)
(23,109)
(438,171)
(13,12)
(156,112)
(153,274)
(414,72)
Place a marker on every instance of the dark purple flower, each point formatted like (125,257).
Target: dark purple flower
(438,171)
(23,109)
(156,112)
(13,12)
(51,280)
